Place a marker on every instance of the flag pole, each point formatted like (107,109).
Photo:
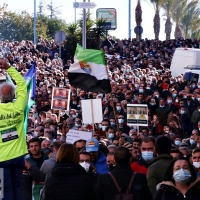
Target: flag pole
(92,110)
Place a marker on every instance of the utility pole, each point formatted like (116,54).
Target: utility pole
(84,28)
(129,18)
(35,19)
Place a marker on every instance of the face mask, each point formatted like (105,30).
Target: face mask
(141,90)
(174,95)
(198,86)
(121,121)
(199,110)
(111,135)
(85,165)
(182,176)
(179,79)
(119,108)
(193,86)
(104,128)
(150,66)
(136,85)
(198,99)
(147,155)
(112,123)
(169,101)
(35,134)
(153,104)
(162,106)
(171,82)
(193,98)
(74,116)
(192,141)
(148,88)
(177,143)
(78,106)
(78,125)
(157,95)
(61,86)
(185,97)
(100,126)
(196,164)
(116,79)
(182,112)
(49,92)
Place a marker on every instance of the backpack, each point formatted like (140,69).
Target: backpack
(121,195)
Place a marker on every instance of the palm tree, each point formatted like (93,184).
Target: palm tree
(168,7)
(157,4)
(191,19)
(177,16)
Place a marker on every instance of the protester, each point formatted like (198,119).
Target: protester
(106,188)
(162,161)
(13,145)
(196,160)
(180,182)
(67,172)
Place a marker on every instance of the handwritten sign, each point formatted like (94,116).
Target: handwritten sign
(74,135)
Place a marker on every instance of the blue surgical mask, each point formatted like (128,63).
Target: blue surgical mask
(112,123)
(177,143)
(104,128)
(119,108)
(111,135)
(141,90)
(121,121)
(182,176)
(174,95)
(192,141)
(147,155)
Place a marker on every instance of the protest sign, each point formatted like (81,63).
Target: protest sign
(60,99)
(92,111)
(137,114)
(74,135)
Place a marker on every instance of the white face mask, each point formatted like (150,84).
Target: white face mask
(85,165)
(35,134)
(196,164)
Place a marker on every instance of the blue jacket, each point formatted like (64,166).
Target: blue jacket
(100,164)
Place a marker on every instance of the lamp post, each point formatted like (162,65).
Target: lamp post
(129,18)
(35,18)
(84,28)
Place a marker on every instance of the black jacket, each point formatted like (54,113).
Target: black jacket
(69,181)
(168,191)
(106,189)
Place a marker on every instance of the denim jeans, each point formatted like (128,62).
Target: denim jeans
(13,174)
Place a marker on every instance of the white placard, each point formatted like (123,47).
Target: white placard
(137,114)
(87,111)
(74,135)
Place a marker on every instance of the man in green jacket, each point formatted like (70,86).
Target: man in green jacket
(12,138)
(156,171)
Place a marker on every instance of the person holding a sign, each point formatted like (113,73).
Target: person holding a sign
(12,137)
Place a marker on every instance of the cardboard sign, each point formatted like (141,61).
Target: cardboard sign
(137,114)
(74,135)
(60,99)
(92,111)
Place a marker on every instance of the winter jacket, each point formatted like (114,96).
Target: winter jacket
(69,181)
(162,114)
(140,166)
(168,191)
(101,165)
(31,179)
(157,170)
(106,189)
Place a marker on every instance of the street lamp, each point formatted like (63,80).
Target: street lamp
(129,18)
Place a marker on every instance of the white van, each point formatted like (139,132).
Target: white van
(185,59)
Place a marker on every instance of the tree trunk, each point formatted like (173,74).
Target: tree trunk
(156,25)
(168,28)
(177,33)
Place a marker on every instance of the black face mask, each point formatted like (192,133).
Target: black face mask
(111,167)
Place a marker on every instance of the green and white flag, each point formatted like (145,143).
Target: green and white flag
(89,71)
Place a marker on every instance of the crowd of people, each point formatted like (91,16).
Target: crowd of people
(158,161)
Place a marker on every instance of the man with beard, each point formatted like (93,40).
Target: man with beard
(98,159)
(35,158)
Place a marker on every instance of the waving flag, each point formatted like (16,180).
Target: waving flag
(89,71)
(30,78)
